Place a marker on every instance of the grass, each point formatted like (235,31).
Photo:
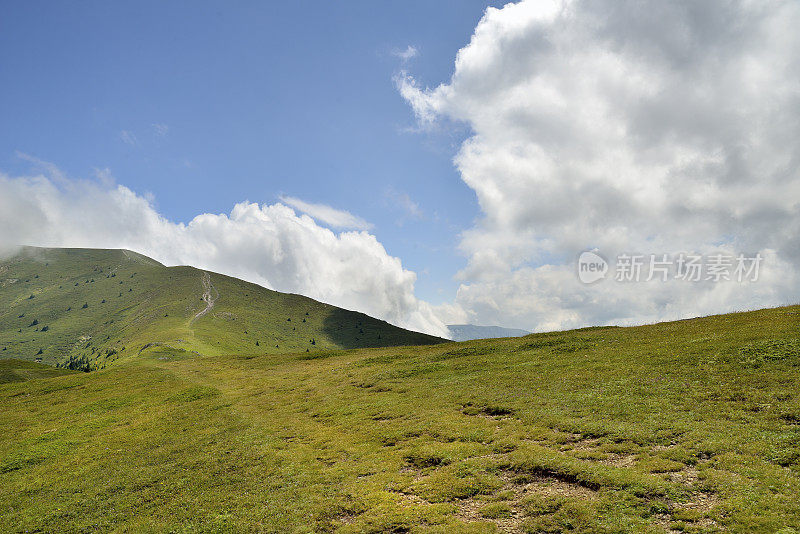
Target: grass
(12,370)
(86,308)
(689,426)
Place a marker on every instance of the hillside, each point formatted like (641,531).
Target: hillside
(468,332)
(688,426)
(12,370)
(86,307)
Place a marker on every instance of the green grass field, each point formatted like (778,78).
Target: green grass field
(86,308)
(12,370)
(689,426)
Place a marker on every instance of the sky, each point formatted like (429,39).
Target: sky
(428,163)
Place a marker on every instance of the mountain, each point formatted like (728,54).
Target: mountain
(84,308)
(687,426)
(467,332)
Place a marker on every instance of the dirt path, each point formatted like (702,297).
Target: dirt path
(210,295)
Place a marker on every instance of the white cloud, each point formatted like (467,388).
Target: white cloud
(45,166)
(407,54)
(269,244)
(128,138)
(328,215)
(160,129)
(404,203)
(653,127)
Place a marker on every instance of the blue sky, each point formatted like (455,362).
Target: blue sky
(252,100)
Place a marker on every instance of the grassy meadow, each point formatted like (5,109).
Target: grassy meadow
(12,370)
(688,426)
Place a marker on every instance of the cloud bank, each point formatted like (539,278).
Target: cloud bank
(650,127)
(267,244)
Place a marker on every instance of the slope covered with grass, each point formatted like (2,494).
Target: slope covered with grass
(12,370)
(87,308)
(689,426)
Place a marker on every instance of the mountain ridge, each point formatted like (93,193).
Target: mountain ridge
(468,332)
(83,308)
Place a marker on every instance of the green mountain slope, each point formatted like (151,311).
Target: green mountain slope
(12,370)
(689,426)
(85,308)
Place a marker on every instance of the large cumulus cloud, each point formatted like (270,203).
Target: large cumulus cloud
(267,244)
(652,127)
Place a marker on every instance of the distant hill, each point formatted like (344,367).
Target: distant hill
(467,332)
(84,308)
